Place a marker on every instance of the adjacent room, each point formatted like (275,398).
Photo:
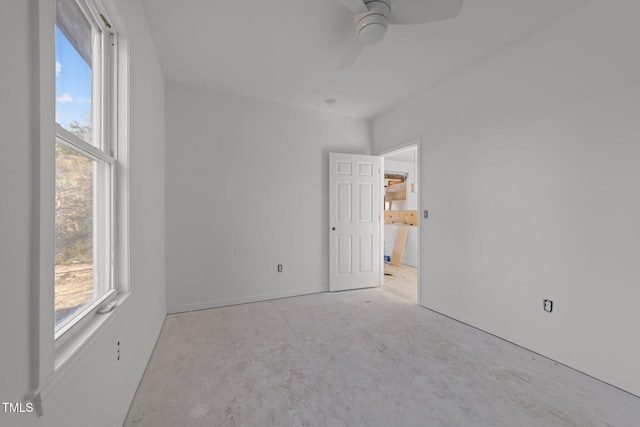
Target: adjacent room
(332,213)
(401,222)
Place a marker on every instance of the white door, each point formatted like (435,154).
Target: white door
(354,221)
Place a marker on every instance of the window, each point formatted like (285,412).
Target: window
(81,260)
(84,164)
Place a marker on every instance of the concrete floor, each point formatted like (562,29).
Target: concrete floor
(402,279)
(358,358)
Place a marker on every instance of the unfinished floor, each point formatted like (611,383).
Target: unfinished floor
(358,358)
(402,279)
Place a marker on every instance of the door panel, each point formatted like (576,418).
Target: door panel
(343,200)
(365,206)
(366,254)
(354,203)
(343,245)
(365,168)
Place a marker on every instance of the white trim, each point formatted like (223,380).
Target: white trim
(82,147)
(181,308)
(61,335)
(43,253)
(99,151)
(405,146)
(123,152)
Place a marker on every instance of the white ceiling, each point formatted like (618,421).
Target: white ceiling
(287,50)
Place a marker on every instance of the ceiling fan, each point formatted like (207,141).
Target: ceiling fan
(373,16)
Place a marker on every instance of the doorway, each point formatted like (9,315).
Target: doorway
(400,233)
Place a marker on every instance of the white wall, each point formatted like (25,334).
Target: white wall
(15,202)
(530,171)
(99,388)
(247,189)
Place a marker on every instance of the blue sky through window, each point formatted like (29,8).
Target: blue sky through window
(73,84)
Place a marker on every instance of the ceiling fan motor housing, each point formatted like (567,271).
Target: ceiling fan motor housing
(372,25)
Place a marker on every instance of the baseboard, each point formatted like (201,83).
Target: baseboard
(242,300)
(599,374)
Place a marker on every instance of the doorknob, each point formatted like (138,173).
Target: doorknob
(333,229)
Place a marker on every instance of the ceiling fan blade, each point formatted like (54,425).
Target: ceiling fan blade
(356,6)
(350,55)
(423,11)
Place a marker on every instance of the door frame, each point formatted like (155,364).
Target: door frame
(417,143)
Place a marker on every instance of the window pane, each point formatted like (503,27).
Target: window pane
(74,232)
(74,74)
(82,268)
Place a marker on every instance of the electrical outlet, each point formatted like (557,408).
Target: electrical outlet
(548,305)
(118,350)
(279,268)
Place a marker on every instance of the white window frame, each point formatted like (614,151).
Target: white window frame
(51,358)
(103,227)
(100,150)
